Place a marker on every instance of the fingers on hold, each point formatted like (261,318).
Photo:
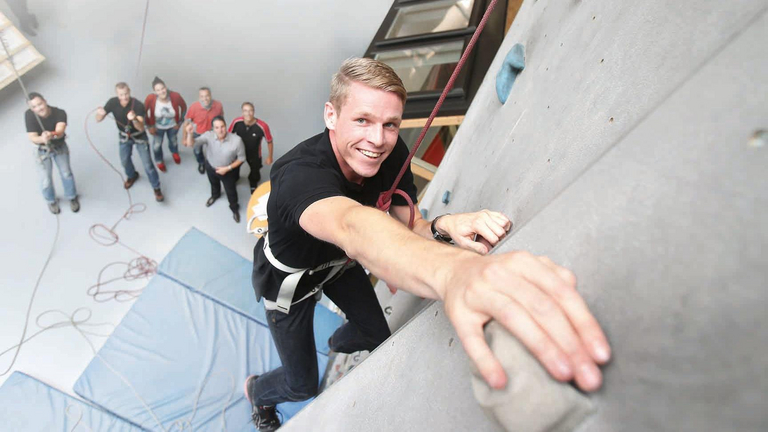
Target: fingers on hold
(549,315)
(578,314)
(472,245)
(477,349)
(500,219)
(520,323)
(486,232)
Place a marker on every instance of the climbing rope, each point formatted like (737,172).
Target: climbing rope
(385,199)
(141,43)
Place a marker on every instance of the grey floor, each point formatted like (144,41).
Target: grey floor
(279,55)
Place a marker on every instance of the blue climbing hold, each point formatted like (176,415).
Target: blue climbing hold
(446,197)
(425,213)
(514,63)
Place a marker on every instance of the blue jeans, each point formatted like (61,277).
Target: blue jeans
(198,151)
(157,142)
(60,155)
(297,378)
(126,150)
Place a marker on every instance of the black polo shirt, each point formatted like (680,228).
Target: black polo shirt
(251,135)
(55,117)
(303,176)
(121,115)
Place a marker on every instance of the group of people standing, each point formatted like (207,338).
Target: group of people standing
(219,150)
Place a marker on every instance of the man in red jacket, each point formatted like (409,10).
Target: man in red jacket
(165,113)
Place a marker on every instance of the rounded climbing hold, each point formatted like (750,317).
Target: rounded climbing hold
(514,63)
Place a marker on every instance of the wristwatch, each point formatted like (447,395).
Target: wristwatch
(436,235)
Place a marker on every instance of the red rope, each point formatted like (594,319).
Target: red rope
(139,267)
(385,199)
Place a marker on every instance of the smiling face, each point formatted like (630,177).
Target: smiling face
(39,106)
(204,96)
(220,129)
(247,113)
(161,91)
(364,130)
(123,95)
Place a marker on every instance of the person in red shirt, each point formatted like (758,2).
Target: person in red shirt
(202,113)
(165,113)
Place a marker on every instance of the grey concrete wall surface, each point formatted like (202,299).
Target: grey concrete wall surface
(587,62)
(661,215)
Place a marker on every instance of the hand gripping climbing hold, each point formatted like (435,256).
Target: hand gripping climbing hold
(514,63)
(532,401)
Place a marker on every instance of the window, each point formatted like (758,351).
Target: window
(432,17)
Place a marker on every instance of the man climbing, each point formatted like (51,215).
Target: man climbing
(320,212)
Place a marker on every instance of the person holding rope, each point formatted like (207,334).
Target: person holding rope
(165,114)
(46,126)
(321,218)
(224,153)
(129,118)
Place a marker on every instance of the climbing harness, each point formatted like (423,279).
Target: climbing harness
(284,299)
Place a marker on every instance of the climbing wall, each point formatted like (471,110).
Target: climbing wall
(624,151)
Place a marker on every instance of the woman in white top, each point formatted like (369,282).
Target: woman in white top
(165,114)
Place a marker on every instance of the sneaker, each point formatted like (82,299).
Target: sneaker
(211,200)
(236,216)
(265,418)
(128,183)
(74,205)
(159,195)
(54,207)
(161,166)
(176,158)
(201,168)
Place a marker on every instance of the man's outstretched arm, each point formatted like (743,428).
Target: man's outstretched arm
(535,299)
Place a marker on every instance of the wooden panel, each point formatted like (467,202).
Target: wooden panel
(513,6)
(438,121)
(423,169)
(24,55)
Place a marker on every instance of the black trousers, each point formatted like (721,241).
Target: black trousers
(229,179)
(297,379)
(254,161)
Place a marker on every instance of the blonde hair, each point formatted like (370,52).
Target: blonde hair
(370,72)
(122,85)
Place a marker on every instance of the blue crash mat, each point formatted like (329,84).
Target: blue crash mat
(27,404)
(170,343)
(211,269)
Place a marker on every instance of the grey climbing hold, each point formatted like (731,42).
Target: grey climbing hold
(446,197)
(532,401)
(514,63)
